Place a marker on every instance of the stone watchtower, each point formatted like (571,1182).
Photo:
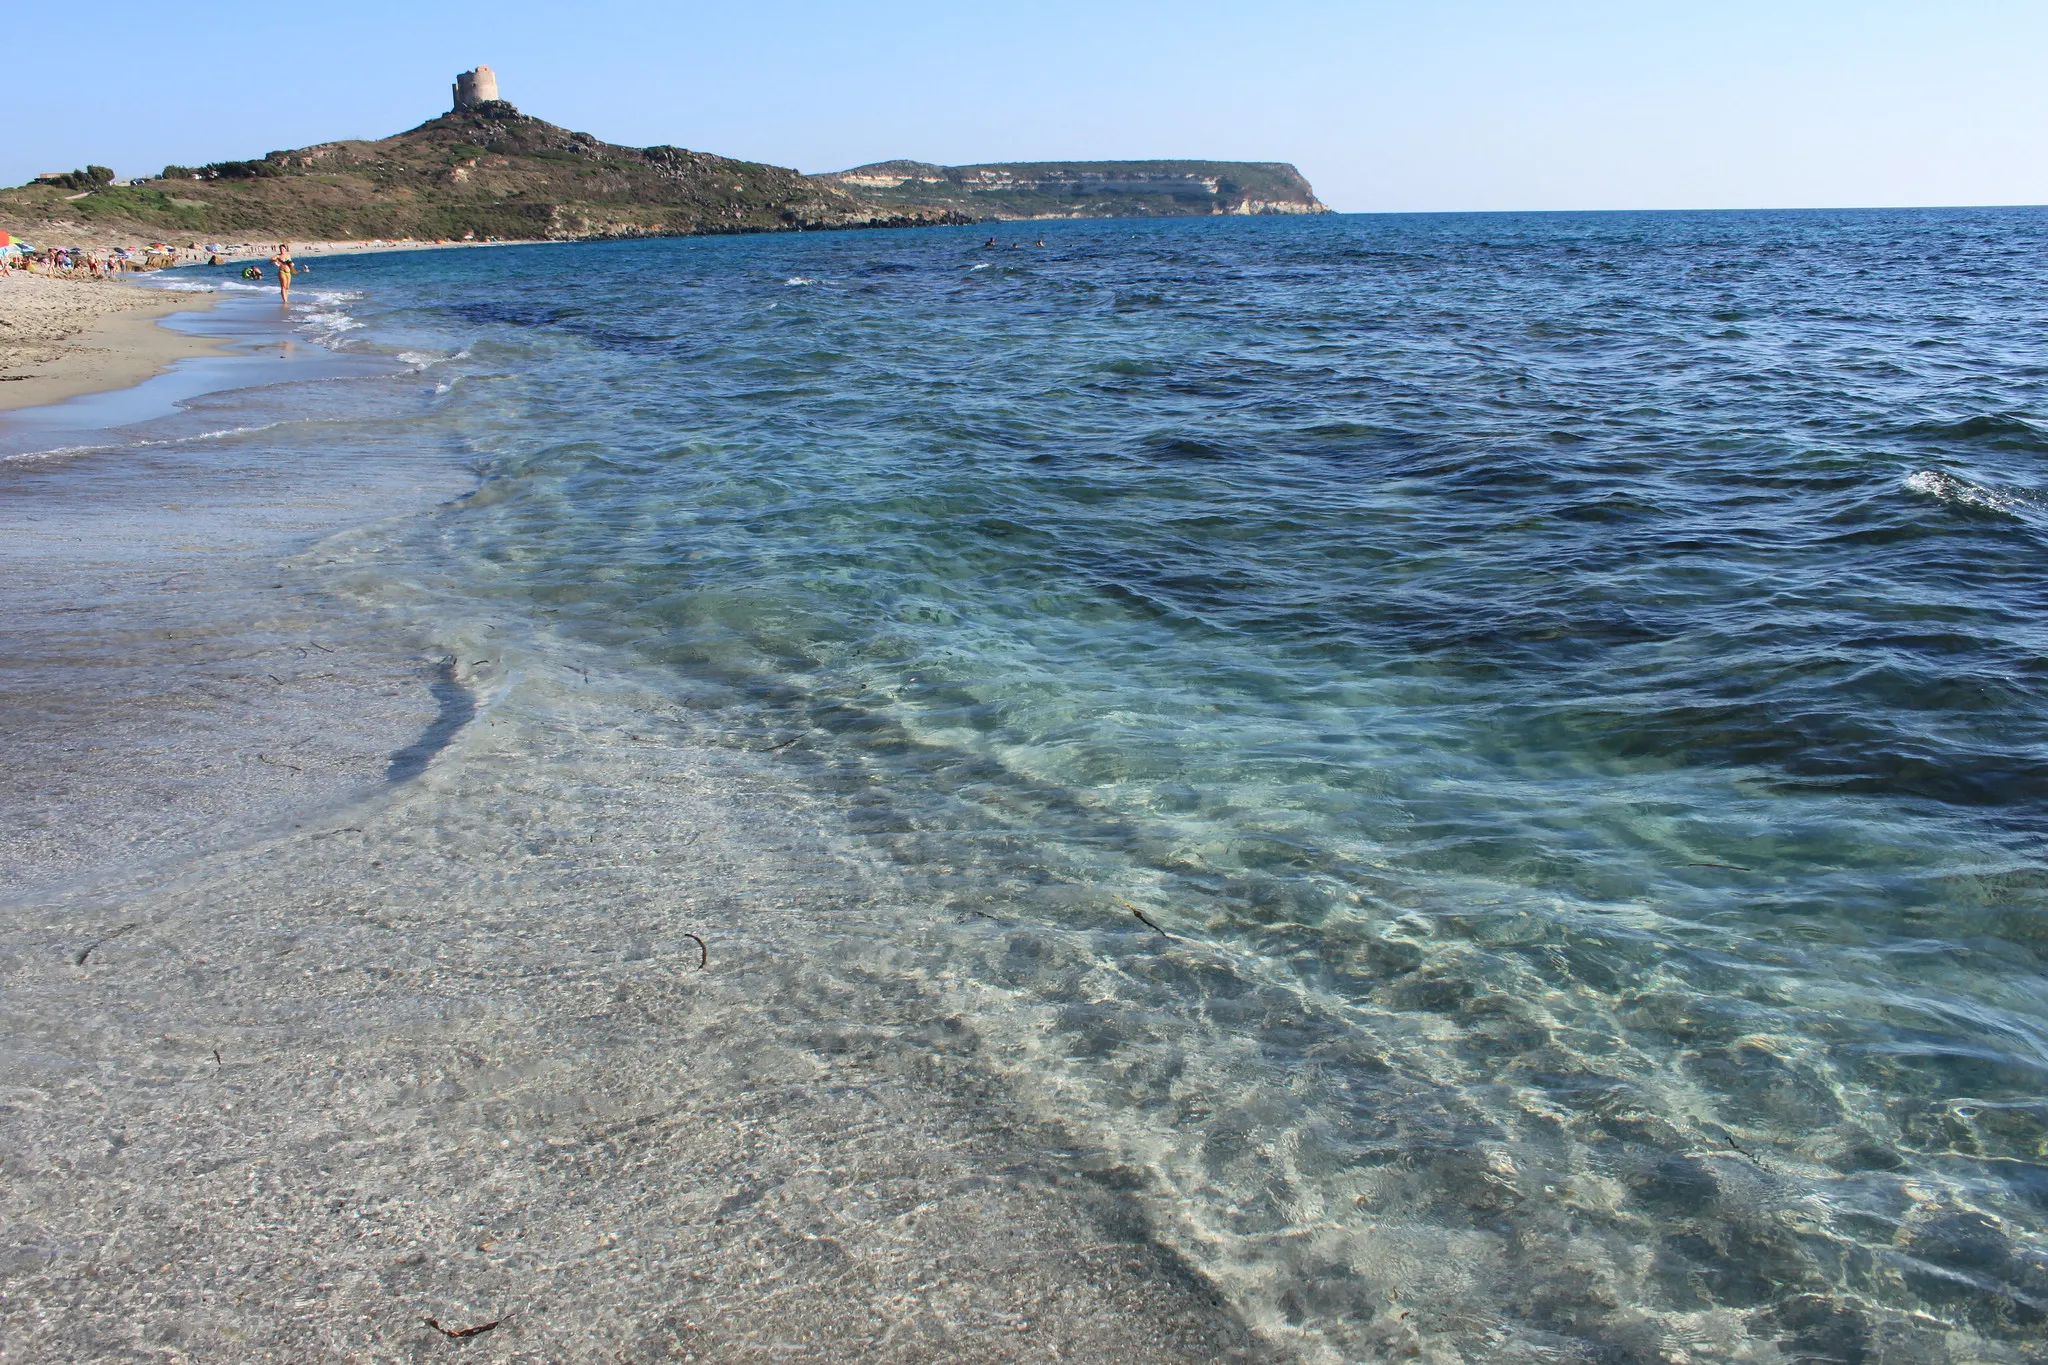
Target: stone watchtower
(475,87)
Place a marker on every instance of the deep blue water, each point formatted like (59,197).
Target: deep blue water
(1568,687)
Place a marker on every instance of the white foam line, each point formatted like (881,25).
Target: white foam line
(61,451)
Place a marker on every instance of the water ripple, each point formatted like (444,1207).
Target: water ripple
(1568,688)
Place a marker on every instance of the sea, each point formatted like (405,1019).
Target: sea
(1483,776)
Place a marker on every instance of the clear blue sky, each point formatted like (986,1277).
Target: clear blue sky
(1409,105)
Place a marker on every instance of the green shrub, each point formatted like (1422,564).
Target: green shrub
(91,178)
(239,170)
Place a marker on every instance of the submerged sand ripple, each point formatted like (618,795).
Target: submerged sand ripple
(461,1076)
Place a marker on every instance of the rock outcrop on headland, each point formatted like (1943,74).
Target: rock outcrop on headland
(1085,189)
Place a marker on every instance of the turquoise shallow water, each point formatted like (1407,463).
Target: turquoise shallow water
(1496,763)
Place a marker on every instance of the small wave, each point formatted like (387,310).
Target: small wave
(212,435)
(426,360)
(321,318)
(332,322)
(1957,492)
(2005,430)
(61,452)
(972,268)
(799,279)
(66,452)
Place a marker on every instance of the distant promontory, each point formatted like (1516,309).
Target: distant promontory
(1085,189)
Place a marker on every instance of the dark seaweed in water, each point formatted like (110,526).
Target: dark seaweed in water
(1588,756)
(457,707)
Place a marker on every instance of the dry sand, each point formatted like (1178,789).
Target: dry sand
(246,246)
(60,337)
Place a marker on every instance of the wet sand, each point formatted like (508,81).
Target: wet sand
(60,338)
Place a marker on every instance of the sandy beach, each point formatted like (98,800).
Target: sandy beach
(248,246)
(60,338)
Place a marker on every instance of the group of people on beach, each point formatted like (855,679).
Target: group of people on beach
(84,265)
(69,262)
(77,263)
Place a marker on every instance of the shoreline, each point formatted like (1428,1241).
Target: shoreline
(251,245)
(350,247)
(70,338)
(64,338)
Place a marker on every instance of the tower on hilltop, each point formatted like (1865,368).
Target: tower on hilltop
(475,87)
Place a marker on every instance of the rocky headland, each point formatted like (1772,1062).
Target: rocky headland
(1083,189)
(487,170)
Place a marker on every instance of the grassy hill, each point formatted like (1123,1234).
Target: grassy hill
(490,170)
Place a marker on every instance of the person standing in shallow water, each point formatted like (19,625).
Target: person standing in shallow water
(283,261)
